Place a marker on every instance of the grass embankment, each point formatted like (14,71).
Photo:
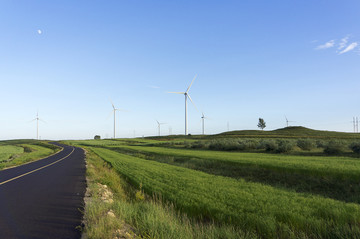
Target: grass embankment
(148,217)
(17,152)
(334,177)
(269,212)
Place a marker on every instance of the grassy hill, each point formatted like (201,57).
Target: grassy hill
(294,131)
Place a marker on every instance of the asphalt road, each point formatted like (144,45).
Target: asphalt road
(44,199)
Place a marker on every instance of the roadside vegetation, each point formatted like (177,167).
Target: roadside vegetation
(273,187)
(116,209)
(17,152)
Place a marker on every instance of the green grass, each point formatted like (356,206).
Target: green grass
(326,184)
(337,167)
(17,152)
(8,151)
(293,131)
(294,199)
(149,218)
(267,211)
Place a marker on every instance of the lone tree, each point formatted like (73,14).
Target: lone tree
(97,137)
(261,124)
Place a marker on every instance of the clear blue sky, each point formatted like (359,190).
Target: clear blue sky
(254,59)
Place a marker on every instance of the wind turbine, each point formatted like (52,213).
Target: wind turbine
(186,94)
(114,110)
(287,121)
(203,123)
(37,124)
(159,124)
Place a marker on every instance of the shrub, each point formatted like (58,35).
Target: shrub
(251,144)
(200,145)
(27,149)
(232,144)
(355,147)
(320,144)
(187,144)
(269,145)
(334,147)
(284,146)
(306,144)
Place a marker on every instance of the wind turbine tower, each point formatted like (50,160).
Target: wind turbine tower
(114,110)
(37,124)
(159,125)
(186,94)
(203,123)
(288,121)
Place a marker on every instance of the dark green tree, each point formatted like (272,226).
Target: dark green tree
(97,137)
(261,124)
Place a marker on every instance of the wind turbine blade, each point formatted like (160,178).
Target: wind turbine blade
(192,101)
(35,119)
(42,121)
(122,110)
(191,84)
(112,103)
(181,93)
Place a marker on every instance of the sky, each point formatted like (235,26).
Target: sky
(67,60)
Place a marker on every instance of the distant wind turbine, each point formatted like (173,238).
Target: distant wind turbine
(203,123)
(159,125)
(186,93)
(287,121)
(114,110)
(37,124)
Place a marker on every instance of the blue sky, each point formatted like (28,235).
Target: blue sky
(253,59)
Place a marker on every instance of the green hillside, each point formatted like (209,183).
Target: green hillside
(293,131)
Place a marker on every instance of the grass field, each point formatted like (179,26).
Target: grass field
(334,177)
(237,194)
(17,152)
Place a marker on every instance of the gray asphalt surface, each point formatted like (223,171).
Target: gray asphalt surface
(46,203)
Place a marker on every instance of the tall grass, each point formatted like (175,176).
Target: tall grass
(149,218)
(345,189)
(252,207)
(339,167)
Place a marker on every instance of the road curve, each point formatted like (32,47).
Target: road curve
(44,199)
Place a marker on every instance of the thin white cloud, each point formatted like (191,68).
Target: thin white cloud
(350,47)
(343,42)
(154,86)
(327,45)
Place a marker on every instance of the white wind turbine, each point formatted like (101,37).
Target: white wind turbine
(114,110)
(159,125)
(186,93)
(203,122)
(37,124)
(287,121)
